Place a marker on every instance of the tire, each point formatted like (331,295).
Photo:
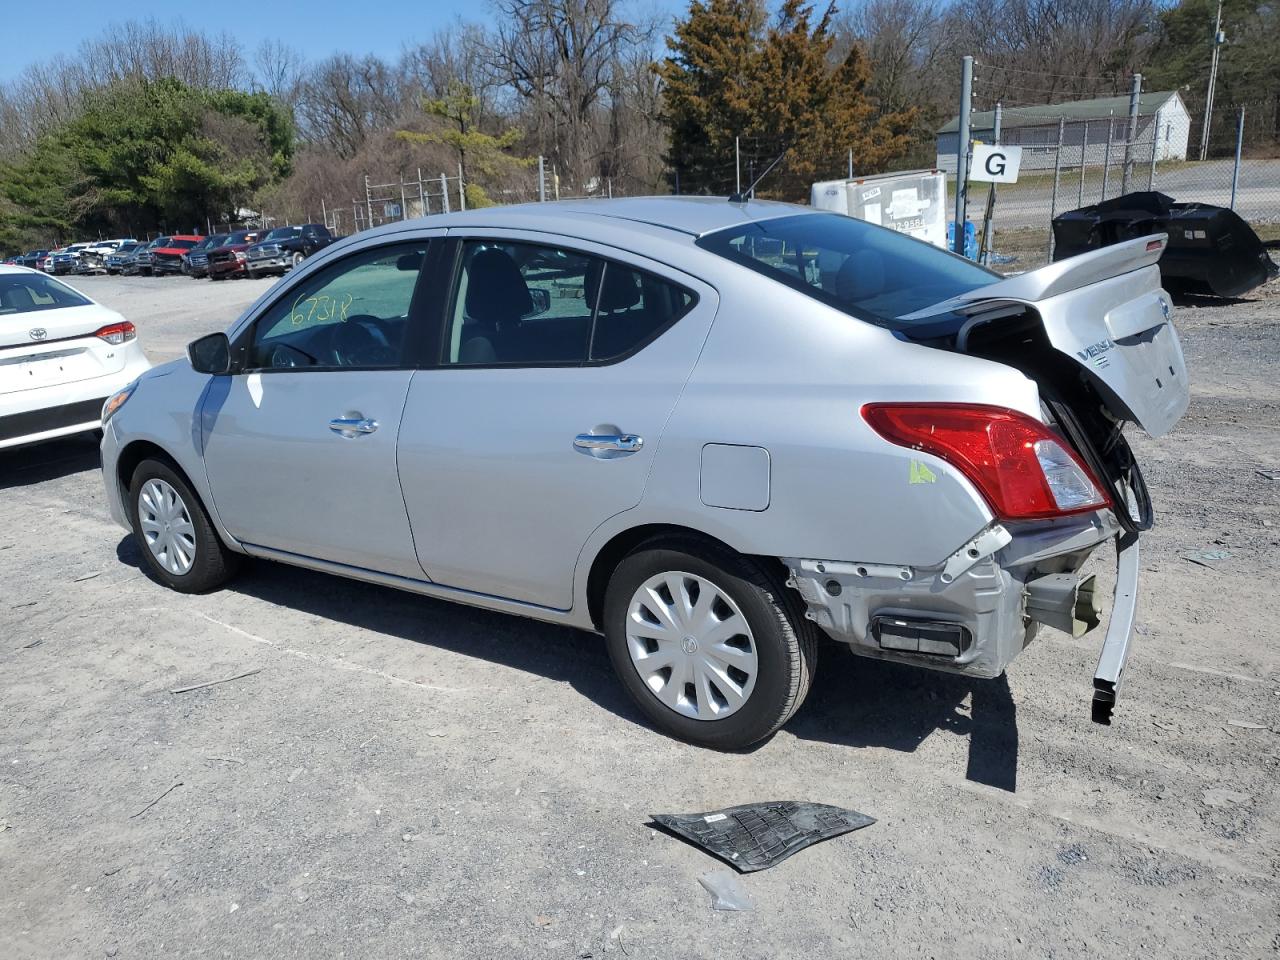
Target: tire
(774,658)
(215,276)
(251,274)
(209,563)
(297,258)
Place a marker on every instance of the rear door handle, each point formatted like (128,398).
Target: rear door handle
(352,426)
(616,443)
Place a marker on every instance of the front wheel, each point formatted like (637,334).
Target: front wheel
(708,643)
(297,258)
(179,545)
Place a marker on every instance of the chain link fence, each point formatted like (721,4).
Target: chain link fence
(1076,163)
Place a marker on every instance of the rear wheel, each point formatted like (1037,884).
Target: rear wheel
(179,545)
(708,643)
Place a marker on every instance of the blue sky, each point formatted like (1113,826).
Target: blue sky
(35,31)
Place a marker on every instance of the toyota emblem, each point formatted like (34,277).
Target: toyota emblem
(37,333)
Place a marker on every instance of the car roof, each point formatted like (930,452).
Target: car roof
(693,216)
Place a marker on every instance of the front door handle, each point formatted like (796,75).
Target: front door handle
(352,426)
(609,443)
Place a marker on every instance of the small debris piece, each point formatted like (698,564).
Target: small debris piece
(756,836)
(301,895)
(4,825)
(541,921)
(1247,724)
(19,606)
(33,643)
(727,892)
(113,871)
(226,760)
(1225,798)
(156,800)
(1267,475)
(112,950)
(1207,558)
(87,576)
(405,896)
(210,683)
(294,776)
(234,908)
(436,733)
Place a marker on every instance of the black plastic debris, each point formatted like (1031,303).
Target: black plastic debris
(757,836)
(1211,249)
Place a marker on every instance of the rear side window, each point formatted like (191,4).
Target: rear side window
(525,304)
(20,293)
(867,271)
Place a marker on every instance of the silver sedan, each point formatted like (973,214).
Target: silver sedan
(716,433)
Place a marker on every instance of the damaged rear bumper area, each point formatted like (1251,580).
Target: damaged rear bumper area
(977,610)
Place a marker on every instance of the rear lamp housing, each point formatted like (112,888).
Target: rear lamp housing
(1024,470)
(116,333)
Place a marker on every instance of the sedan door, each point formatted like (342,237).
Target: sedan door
(300,442)
(559,366)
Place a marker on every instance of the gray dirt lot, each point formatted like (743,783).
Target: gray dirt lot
(405,777)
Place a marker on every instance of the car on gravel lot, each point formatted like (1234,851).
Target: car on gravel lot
(116,261)
(61,356)
(167,258)
(230,259)
(195,262)
(32,258)
(714,432)
(285,247)
(139,262)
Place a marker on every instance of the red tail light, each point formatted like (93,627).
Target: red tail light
(1023,469)
(117,332)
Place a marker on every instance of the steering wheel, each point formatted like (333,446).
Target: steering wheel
(357,342)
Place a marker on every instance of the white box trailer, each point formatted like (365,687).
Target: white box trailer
(912,202)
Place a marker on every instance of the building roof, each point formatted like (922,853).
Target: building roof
(1074,110)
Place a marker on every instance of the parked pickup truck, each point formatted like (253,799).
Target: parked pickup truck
(286,247)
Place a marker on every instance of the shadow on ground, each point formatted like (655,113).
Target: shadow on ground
(854,702)
(52,460)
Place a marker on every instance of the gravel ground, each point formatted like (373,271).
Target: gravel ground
(405,777)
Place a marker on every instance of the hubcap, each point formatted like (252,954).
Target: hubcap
(691,646)
(166,526)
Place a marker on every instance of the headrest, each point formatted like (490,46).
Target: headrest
(861,277)
(619,291)
(496,293)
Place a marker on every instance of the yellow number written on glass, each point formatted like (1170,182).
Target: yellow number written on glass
(319,308)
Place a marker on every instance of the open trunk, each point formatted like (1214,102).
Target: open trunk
(1095,333)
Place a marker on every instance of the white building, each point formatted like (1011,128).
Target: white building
(1086,126)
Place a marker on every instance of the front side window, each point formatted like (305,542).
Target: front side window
(529,304)
(867,271)
(353,313)
(23,293)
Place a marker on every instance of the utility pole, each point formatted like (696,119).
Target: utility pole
(1235,171)
(1084,146)
(444,192)
(851,163)
(1106,154)
(962,152)
(324,213)
(423,209)
(542,180)
(1218,40)
(989,221)
(368,202)
(737,168)
(1134,94)
(462,190)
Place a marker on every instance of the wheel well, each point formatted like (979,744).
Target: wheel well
(612,553)
(135,453)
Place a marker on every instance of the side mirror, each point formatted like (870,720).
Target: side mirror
(210,354)
(541,301)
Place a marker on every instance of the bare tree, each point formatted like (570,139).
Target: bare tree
(279,70)
(344,101)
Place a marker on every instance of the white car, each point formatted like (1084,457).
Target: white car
(61,356)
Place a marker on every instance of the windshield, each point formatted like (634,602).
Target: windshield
(283,233)
(867,271)
(181,244)
(208,243)
(240,236)
(29,292)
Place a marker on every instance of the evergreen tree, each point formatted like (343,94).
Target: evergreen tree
(778,88)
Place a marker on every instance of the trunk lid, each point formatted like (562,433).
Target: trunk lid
(1107,312)
(43,348)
